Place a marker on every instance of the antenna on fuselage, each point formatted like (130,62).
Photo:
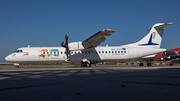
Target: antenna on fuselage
(28,46)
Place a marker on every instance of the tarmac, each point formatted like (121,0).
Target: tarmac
(101,83)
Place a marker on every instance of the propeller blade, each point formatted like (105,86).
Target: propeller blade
(66,40)
(66,46)
(62,43)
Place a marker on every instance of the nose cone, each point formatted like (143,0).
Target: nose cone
(7,58)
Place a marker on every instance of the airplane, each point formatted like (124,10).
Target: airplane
(88,52)
(171,56)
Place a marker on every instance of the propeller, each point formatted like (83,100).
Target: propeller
(66,45)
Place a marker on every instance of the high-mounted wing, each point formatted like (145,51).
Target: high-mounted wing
(97,38)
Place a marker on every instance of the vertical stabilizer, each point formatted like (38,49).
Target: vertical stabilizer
(154,38)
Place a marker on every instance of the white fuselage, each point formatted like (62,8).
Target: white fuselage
(94,55)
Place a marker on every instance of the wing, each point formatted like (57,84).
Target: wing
(97,38)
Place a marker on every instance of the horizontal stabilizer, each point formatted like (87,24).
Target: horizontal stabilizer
(161,26)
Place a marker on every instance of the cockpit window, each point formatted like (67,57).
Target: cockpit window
(18,51)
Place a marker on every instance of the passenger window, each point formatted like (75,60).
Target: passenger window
(102,51)
(47,52)
(112,51)
(89,52)
(115,51)
(61,52)
(121,51)
(92,52)
(54,52)
(118,51)
(106,52)
(21,51)
(85,52)
(124,51)
(43,52)
(99,51)
(109,51)
(82,52)
(74,52)
(96,52)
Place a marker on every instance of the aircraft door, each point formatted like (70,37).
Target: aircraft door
(130,52)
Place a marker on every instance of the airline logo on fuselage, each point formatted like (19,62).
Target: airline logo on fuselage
(150,40)
(49,52)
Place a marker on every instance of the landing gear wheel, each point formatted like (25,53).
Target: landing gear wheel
(84,64)
(171,64)
(141,64)
(148,64)
(17,66)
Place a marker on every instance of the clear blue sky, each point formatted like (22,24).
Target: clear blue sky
(45,22)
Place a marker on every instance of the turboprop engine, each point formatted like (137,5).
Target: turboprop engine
(71,46)
(75,46)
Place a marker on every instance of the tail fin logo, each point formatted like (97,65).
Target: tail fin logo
(150,41)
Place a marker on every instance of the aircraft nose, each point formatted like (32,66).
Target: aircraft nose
(7,58)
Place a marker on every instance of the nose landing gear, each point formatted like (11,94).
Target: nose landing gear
(16,65)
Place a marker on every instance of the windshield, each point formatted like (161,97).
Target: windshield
(18,51)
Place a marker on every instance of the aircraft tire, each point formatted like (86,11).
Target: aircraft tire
(141,64)
(17,66)
(171,64)
(148,64)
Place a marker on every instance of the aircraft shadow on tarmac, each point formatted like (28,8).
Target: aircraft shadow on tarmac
(90,83)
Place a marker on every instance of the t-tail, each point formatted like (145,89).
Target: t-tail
(154,38)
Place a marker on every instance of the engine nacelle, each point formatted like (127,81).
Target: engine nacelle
(75,46)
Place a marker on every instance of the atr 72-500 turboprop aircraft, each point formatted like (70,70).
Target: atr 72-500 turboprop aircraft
(87,52)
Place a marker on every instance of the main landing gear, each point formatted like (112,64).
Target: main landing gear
(171,64)
(148,64)
(141,64)
(85,64)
